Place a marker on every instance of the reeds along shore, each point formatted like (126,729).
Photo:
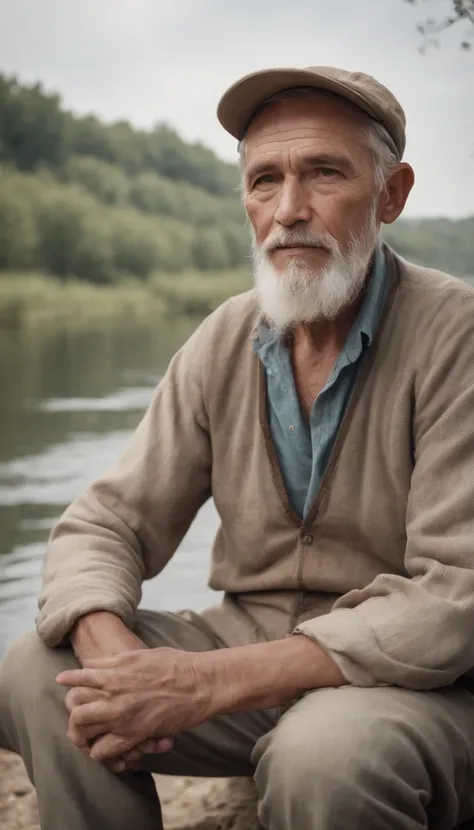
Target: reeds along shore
(34,299)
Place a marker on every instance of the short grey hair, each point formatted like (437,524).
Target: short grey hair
(376,136)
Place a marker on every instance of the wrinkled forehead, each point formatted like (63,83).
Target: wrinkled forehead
(314,120)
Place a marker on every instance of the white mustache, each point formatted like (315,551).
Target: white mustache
(298,239)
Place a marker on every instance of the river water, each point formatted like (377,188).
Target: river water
(69,401)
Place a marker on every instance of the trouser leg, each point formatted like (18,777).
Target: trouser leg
(369,759)
(75,793)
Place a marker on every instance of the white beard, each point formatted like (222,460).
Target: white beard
(302,295)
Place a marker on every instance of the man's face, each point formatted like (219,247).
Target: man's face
(307,169)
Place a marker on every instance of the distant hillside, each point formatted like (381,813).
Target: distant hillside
(99,202)
(441,243)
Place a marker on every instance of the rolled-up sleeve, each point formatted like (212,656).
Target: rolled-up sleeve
(416,630)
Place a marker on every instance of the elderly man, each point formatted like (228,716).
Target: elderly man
(329,414)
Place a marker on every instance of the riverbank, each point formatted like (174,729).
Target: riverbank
(187,803)
(36,299)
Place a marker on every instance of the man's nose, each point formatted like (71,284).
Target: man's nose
(294,205)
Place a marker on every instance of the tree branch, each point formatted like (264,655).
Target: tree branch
(462,14)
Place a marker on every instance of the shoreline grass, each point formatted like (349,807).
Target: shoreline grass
(36,299)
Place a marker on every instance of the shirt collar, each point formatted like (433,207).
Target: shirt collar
(365,324)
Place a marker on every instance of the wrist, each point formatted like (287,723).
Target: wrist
(102,633)
(217,675)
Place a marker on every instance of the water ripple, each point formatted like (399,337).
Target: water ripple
(60,473)
(126,399)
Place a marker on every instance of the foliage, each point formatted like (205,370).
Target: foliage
(440,243)
(462,13)
(106,181)
(65,230)
(36,131)
(160,150)
(193,294)
(33,128)
(18,231)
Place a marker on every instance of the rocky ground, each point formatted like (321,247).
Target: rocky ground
(188,803)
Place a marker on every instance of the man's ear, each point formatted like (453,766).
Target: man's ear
(397,189)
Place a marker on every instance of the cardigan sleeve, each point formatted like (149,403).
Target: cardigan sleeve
(416,630)
(128,524)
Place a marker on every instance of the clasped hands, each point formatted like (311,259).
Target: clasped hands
(136,701)
(122,706)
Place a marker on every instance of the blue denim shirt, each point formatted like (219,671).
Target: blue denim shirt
(303,449)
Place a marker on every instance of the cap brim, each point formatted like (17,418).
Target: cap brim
(240,102)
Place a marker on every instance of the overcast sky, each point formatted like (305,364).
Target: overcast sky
(170,60)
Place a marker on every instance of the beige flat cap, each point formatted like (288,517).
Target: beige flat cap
(241,101)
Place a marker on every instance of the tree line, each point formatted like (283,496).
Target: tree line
(100,202)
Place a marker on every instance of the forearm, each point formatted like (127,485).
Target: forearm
(102,634)
(268,675)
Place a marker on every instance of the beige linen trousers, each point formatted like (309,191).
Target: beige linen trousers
(339,759)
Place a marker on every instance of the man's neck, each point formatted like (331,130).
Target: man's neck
(322,337)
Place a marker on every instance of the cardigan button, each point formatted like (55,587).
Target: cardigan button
(308,539)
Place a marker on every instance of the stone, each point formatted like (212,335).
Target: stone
(187,803)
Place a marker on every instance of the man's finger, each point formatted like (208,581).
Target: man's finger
(92,678)
(149,746)
(156,746)
(132,755)
(110,746)
(103,662)
(77,737)
(92,714)
(118,766)
(79,695)
(92,731)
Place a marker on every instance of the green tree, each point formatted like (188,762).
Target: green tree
(138,249)
(236,240)
(155,194)
(210,249)
(33,128)
(88,137)
(18,234)
(105,180)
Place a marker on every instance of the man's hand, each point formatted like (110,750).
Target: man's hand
(160,692)
(123,700)
(101,635)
